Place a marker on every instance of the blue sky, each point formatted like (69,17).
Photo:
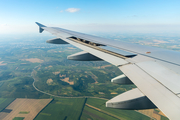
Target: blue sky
(19,16)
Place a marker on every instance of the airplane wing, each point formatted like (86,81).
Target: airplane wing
(155,71)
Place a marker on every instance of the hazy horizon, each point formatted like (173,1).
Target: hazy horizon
(136,16)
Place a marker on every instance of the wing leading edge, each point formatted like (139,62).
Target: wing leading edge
(151,69)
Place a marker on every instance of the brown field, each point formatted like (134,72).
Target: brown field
(147,112)
(103,66)
(34,60)
(49,81)
(113,93)
(106,66)
(3,115)
(161,113)
(101,93)
(67,80)
(156,116)
(96,82)
(93,107)
(152,113)
(31,107)
(62,75)
(56,73)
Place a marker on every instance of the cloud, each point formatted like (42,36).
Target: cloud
(61,11)
(72,10)
(3,25)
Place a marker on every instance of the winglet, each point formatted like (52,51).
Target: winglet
(40,27)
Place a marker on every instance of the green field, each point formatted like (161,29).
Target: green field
(62,108)
(123,114)
(164,118)
(18,118)
(90,78)
(4,102)
(75,108)
(93,114)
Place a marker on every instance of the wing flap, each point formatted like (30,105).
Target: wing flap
(162,97)
(100,54)
(115,50)
(163,75)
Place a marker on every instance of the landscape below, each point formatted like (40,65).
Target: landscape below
(33,70)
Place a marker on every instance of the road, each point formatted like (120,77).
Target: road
(63,96)
(33,84)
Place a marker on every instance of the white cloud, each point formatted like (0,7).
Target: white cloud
(61,11)
(72,10)
(3,25)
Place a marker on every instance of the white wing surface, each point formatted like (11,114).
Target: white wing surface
(155,71)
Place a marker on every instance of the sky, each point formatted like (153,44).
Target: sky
(19,16)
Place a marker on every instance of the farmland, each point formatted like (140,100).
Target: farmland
(154,113)
(24,108)
(122,114)
(81,80)
(61,77)
(92,114)
(81,108)
(62,108)
(4,102)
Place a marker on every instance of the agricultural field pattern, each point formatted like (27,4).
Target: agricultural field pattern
(31,69)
